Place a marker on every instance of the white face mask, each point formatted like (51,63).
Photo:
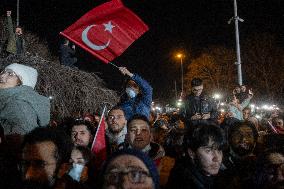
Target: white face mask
(130,92)
(76,171)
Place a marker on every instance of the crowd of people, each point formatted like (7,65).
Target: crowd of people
(196,147)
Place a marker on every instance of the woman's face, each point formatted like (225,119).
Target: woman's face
(77,157)
(127,171)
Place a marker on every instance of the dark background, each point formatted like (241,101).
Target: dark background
(175,25)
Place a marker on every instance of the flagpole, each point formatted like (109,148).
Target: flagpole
(102,116)
(113,65)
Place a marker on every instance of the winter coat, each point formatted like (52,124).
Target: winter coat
(201,105)
(22,109)
(16,44)
(185,175)
(238,113)
(141,104)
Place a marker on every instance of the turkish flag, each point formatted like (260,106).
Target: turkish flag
(99,148)
(106,31)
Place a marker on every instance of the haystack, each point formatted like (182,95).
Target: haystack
(70,90)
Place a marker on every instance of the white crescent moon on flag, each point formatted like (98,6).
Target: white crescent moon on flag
(93,46)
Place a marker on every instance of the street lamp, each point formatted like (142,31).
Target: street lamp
(180,56)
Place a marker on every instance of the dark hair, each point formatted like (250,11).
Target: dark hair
(247,108)
(86,152)
(88,124)
(201,135)
(196,82)
(138,117)
(58,137)
(264,168)
(238,125)
(116,108)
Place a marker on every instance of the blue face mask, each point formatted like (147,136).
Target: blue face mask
(130,92)
(75,171)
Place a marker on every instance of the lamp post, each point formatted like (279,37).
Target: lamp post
(180,56)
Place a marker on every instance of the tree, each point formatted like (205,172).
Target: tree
(215,66)
(263,65)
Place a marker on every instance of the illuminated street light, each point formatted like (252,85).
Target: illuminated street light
(180,56)
(217,96)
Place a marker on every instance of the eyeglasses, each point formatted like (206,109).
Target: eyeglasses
(39,164)
(134,176)
(10,73)
(112,117)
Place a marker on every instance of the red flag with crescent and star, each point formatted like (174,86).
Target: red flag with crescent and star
(106,31)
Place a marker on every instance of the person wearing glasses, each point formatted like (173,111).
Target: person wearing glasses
(44,149)
(199,108)
(117,129)
(129,168)
(21,107)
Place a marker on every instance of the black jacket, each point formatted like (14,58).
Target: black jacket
(202,104)
(185,175)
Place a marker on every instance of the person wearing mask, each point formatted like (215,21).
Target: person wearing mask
(138,95)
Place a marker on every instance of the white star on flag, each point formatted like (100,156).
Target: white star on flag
(108,27)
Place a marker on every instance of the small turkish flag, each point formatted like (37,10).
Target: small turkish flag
(106,31)
(99,148)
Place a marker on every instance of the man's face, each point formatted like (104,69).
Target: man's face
(19,31)
(243,88)
(237,89)
(197,90)
(80,135)
(138,134)
(242,141)
(116,121)
(127,171)
(8,79)
(246,114)
(209,158)
(279,123)
(276,169)
(39,165)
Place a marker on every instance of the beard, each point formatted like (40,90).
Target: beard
(115,129)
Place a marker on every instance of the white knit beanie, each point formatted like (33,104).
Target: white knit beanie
(27,74)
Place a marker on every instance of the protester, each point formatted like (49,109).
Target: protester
(16,42)
(22,108)
(139,137)
(239,161)
(67,54)
(277,122)
(43,152)
(129,168)
(199,108)
(76,170)
(202,160)
(138,95)
(236,108)
(117,129)
(269,172)
(82,133)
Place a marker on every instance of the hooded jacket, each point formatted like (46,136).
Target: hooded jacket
(22,109)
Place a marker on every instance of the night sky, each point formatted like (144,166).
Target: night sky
(175,25)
